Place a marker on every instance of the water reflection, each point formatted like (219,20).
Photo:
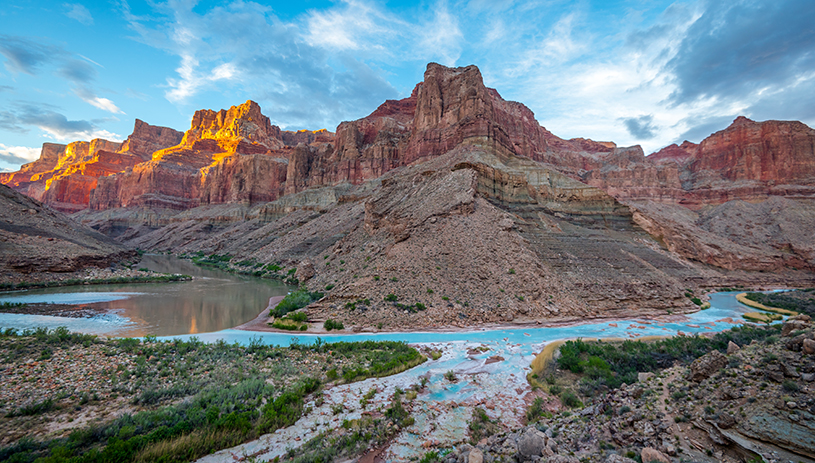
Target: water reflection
(213,301)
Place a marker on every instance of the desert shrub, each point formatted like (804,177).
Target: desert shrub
(610,364)
(333,325)
(296,300)
(790,386)
(297,316)
(569,398)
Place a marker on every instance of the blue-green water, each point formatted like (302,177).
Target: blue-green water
(215,301)
(723,305)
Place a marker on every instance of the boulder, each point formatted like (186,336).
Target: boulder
(475,456)
(703,367)
(642,377)
(791,326)
(732,348)
(650,455)
(808,346)
(531,443)
(305,271)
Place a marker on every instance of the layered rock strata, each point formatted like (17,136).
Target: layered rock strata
(747,161)
(35,238)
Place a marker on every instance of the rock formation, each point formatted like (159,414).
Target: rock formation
(65,175)
(705,203)
(35,238)
(747,161)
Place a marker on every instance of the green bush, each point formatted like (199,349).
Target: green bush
(790,386)
(297,316)
(333,325)
(570,399)
(391,298)
(609,364)
(296,300)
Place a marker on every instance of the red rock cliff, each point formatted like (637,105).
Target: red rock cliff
(748,160)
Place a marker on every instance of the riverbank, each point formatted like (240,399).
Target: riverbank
(93,276)
(262,323)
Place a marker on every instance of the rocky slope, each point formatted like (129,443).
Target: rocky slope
(752,403)
(34,238)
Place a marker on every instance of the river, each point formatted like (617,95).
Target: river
(214,300)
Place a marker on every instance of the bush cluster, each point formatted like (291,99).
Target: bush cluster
(607,365)
(220,410)
(296,300)
(785,300)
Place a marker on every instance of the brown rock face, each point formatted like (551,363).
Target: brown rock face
(146,139)
(69,191)
(238,122)
(232,155)
(453,105)
(35,238)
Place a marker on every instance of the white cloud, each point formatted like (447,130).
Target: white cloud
(105,104)
(78,12)
(441,38)
(89,97)
(96,132)
(21,153)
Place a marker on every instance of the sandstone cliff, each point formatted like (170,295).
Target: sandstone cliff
(64,175)
(226,156)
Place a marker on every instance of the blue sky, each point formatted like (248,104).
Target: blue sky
(634,72)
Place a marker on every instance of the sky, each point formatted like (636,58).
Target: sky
(634,72)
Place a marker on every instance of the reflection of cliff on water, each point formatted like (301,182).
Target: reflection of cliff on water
(214,300)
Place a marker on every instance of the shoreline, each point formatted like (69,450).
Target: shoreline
(120,280)
(258,324)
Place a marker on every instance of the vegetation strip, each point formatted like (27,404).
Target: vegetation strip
(94,281)
(800,300)
(607,365)
(748,300)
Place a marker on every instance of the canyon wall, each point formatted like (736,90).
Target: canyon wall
(236,155)
(748,161)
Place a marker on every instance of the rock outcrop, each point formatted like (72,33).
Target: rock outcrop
(35,238)
(226,156)
(146,139)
